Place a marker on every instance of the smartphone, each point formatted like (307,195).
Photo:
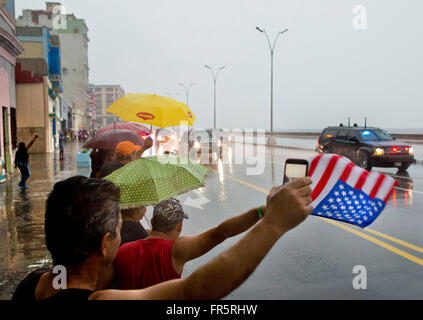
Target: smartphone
(294,169)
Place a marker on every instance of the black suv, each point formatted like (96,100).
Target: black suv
(366,146)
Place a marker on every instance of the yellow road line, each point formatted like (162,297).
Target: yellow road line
(376,241)
(243,182)
(355,231)
(401,242)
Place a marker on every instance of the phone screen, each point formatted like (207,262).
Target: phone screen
(294,171)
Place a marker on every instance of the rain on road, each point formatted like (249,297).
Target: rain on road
(313,261)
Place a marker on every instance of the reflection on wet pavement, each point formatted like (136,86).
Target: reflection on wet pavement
(22,245)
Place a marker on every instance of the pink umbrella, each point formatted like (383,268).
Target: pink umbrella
(138,128)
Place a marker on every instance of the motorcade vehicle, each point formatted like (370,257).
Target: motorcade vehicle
(367,147)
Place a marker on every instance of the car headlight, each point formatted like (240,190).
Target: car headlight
(379,152)
(196,144)
(411,150)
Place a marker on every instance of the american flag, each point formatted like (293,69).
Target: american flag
(343,191)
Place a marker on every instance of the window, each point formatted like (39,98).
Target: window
(110,89)
(353,134)
(375,135)
(342,134)
(99,110)
(109,99)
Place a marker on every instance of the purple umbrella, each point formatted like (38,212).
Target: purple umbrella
(108,140)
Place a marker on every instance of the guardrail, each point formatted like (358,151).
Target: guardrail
(400,136)
(317,134)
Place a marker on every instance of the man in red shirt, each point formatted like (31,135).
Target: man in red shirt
(162,256)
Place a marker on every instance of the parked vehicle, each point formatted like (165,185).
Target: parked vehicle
(367,147)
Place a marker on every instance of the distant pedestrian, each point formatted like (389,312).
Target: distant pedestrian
(61,146)
(22,162)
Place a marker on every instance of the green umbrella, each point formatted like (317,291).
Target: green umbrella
(148,181)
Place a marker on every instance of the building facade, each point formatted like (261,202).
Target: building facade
(73,37)
(10,48)
(104,96)
(38,88)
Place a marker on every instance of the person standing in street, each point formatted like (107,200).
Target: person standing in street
(22,162)
(61,146)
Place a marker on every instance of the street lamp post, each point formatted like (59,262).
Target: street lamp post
(272,49)
(187,89)
(214,81)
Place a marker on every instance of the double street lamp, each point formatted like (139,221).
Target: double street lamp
(272,49)
(214,81)
(186,89)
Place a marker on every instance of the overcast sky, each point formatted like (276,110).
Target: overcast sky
(324,71)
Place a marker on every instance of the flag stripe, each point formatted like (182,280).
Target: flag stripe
(313,165)
(319,169)
(347,172)
(386,188)
(362,179)
(377,186)
(326,175)
(370,182)
(354,175)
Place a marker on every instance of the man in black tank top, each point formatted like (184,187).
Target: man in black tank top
(82,226)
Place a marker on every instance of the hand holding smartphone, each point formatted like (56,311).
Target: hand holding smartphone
(295,169)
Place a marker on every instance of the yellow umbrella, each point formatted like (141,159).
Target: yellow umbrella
(152,109)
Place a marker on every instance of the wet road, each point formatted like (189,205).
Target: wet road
(314,261)
(22,244)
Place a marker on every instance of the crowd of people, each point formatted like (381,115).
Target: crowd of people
(81,135)
(108,254)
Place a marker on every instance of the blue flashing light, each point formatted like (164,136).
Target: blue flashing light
(366,133)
